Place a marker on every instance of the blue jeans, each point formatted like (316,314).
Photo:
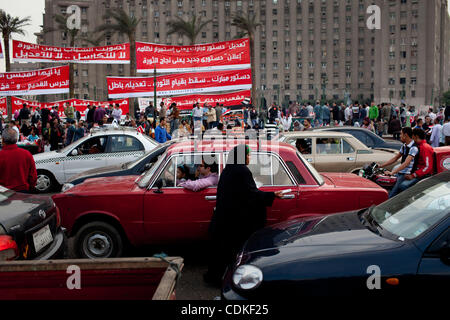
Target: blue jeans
(396,189)
(407,183)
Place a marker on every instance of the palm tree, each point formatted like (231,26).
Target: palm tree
(123,24)
(247,23)
(8,26)
(191,29)
(74,34)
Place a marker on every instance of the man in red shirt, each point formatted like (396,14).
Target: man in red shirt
(17,167)
(424,167)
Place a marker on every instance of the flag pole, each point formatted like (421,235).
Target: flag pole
(154,88)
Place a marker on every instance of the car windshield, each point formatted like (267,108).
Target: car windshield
(415,210)
(70,146)
(145,178)
(5,193)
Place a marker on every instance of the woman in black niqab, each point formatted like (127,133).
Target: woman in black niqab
(240,211)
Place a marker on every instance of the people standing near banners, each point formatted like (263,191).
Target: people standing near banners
(36,116)
(24,114)
(69,112)
(70,132)
(161,134)
(90,115)
(211,117)
(56,134)
(218,110)
(45,113)
(117,113)
(162,110)
(175,117)
(99,113)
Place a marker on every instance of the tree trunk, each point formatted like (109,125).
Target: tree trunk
(132,39)
(252,65)
(8,69)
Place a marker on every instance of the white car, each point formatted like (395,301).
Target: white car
(102,147)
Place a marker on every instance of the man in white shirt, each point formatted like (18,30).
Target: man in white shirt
(348,114)
(446,132)
(431,114)
(436,133)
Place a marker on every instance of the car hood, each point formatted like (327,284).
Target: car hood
(391,144)
(47,155)
(324,236)
(348,180)
(20,209)
(96,171)
(106,185)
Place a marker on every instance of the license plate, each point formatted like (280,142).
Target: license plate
(42,238)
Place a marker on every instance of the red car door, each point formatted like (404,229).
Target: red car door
(174,213)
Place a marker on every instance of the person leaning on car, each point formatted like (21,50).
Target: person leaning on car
(408,153)
(17,167)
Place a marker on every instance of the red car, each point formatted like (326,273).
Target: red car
(105,214)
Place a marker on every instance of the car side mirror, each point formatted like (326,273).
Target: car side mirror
(158,185)
(444,253)
(147,166)
(74,152)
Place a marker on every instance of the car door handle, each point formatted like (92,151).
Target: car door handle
(309,160)
(350,158)
(288,196)
(210,198)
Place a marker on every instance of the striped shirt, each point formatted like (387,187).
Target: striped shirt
(413,150)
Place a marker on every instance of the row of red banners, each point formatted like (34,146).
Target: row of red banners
(227,99)
(179,84)
(35,82)
(79,105)
(226,55)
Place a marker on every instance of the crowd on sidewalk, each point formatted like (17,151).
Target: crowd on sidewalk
(51,130)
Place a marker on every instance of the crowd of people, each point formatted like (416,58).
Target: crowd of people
(50,130)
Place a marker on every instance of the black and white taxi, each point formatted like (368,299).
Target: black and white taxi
(101,147)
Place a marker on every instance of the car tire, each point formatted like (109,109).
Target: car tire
(46,182)
(98,240)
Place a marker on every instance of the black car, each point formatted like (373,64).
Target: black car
(367,137)
(30,227)
(401,246)
(135,167)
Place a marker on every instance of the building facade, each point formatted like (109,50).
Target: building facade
(305,50)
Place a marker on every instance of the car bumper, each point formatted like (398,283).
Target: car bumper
(58,248)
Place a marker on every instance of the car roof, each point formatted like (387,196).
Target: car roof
(316,133)
(341,128)
(226,145)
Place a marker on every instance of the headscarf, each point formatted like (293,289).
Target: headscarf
(238,155)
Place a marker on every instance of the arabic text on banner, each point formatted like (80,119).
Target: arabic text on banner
(30,52)
(35,82)
(179,84)
(227,99)
(226,55)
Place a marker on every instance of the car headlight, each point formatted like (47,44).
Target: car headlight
(67,186)
(247,277)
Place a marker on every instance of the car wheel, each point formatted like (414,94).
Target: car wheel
(45,182)
(98,240)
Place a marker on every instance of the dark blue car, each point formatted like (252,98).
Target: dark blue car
(401,246)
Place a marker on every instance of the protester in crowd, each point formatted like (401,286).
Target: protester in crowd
(362,113)
(36,116)
(253,116)
(109,110)
(33,136)
(25,129)
(427,126)
(17,167)
(56,135)
(367,124)
(13,124)
(16,115)
(70,131)
(174,117)
(99,113)
(348,115)
(24,114)
(273,113)
(211,117)
(79,131)
(208,177)
(335,114)
(161,134)
(318,112)
(446,131)
(395,127)
(436,134)
(307,125)
(117,113)
(69,112)
(418,124)
(218,110)
(238,200)
(150,112)
(326,111)
(355,113)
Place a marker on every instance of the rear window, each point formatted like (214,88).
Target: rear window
(311,169)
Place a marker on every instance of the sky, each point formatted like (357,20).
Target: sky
(32,8)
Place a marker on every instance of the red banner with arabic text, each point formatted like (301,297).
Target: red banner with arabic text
(30,52)
(179,84)
(35,82)
(79,105)
(226,55)
(227,99)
